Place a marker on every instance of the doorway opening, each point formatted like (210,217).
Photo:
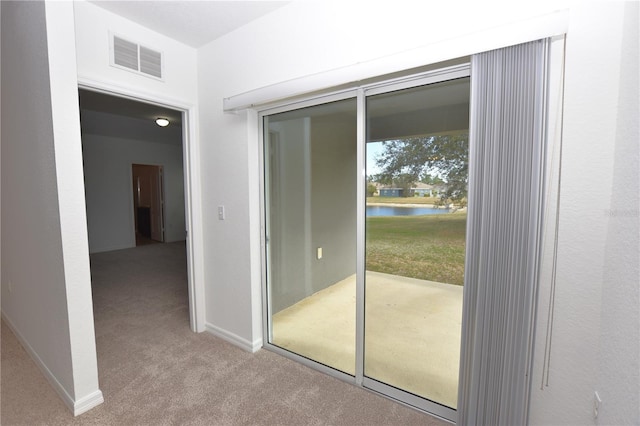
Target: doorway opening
(148,203)
(119,132)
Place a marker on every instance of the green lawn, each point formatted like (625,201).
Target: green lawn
(427,247)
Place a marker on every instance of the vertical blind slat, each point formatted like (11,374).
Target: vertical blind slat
(506,170)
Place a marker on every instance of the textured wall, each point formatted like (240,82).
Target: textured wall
(595,328)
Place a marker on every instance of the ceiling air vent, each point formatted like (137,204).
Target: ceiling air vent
(133,57)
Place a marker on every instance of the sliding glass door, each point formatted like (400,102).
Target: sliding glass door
(417,157)
(310,183)
(365,218)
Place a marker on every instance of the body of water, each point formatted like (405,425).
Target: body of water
(402,211)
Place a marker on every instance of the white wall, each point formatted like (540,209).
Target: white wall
(620,316)
(46,287)
(309,37)
(93,25)
(108,187)
(306,38)
(596,340)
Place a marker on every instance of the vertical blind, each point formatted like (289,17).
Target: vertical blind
(506,184)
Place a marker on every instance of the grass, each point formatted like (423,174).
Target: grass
(402,200)
(430,247)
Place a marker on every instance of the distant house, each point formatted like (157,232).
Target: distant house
(419,190)
(391,192)
(423,190)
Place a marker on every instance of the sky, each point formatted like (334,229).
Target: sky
(373,150)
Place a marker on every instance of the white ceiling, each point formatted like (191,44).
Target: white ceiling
(194,23)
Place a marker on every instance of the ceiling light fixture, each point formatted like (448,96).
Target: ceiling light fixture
(162,122)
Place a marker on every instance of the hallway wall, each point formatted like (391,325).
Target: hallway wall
(46,285)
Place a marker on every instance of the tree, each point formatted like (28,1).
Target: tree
(405,182)
(371,190)
(431,179)
(444,157)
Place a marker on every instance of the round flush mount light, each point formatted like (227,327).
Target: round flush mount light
(162,122)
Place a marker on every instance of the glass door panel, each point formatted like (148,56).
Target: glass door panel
(310,208)
(417,157)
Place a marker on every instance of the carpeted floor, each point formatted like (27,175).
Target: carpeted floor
(154,371)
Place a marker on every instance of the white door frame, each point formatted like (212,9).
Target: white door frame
(193,201)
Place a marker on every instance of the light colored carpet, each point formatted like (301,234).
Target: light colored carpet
(154,371)
(412,332)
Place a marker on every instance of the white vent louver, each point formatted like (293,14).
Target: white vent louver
(137,58)
(150,62)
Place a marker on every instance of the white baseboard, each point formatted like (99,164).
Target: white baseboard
(88,402)
(257,345)
(234,338)
(76,407)
(112,248)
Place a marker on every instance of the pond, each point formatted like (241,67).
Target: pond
(402,211)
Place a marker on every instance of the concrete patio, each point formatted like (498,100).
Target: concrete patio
(412,332)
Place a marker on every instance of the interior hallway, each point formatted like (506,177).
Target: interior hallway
(154,370)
